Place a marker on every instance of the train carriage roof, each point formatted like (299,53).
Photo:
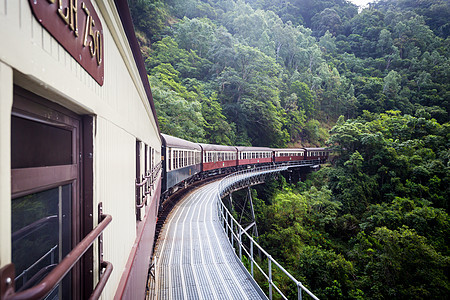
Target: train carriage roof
(253,149)
(212,147)
(288,149)
(171,141)
(316,149)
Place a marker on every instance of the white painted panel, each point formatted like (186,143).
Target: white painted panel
(6,98)
(114,179)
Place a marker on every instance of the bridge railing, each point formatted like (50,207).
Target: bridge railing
(235,231)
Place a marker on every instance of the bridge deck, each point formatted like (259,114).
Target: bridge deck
(194,257)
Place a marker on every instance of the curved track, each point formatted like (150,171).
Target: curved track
(194,257)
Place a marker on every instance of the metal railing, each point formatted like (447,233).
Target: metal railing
(147,183)
(50,281)
(235,231)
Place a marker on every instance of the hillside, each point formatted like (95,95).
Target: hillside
(268,73)
(373,85)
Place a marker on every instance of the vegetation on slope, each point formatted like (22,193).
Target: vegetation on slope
(274,71)
(373,224)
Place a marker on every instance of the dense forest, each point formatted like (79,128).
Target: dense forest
(373,84)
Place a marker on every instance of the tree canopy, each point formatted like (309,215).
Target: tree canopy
(372,84)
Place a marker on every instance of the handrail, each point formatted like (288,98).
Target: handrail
(225,184)
(57,274)
(140,205)
(103,279)
(149,179)
(142,183)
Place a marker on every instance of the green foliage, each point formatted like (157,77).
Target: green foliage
(375,224)
(257,56)
(149,16)
(400,264)
(218,131)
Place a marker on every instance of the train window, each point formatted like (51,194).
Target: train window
(47,191)
(169,158)
(146,160)
(152,159)
(42,222)
(174,163)
(183,159)
(52,146)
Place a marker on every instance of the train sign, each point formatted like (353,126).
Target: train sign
(77,27)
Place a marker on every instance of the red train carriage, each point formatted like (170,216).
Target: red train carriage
(289,154)
(254,155)
(218,157)
(317,153)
